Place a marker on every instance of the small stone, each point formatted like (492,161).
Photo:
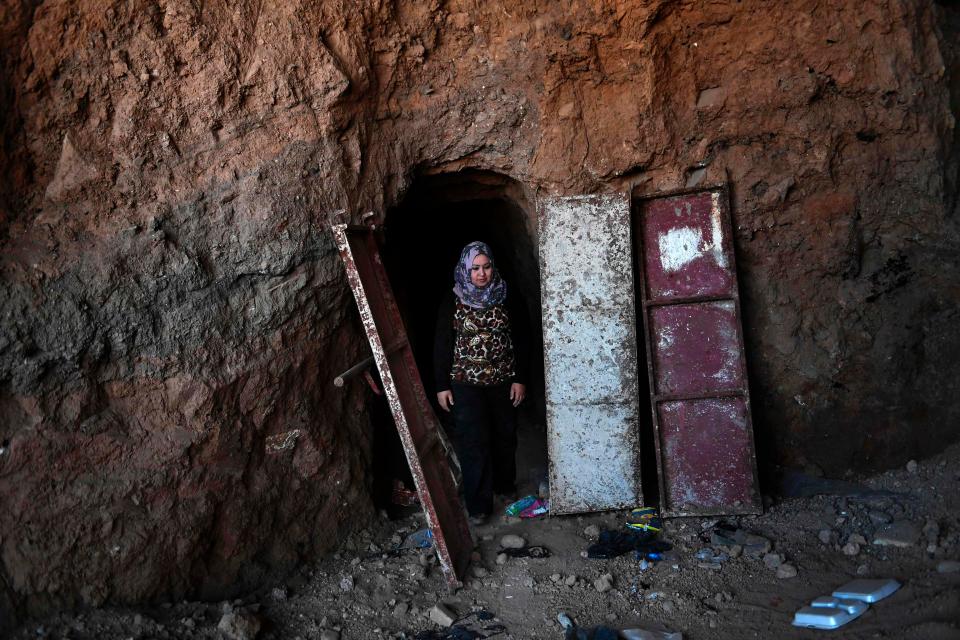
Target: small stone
(912,466)
(851,549)
(931,531)
(593,531)
(667,606)
(736,551)
(948,566)
(772,560)
(571,580)
(897,534)
(825,536)
(555,577)
(786,570)
(441,615)
(856,538)
(604,583)
(239,625)
(346,583)
(863,570)
(478,571)
(611,616)
(502,558)
(401,609)
(279,594)
(511,541)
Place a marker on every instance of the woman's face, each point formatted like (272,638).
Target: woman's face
(481,271)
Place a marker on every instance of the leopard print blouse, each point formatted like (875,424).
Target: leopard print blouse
(483,350)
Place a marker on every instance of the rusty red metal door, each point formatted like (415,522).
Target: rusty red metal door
(695,355)
(418,426)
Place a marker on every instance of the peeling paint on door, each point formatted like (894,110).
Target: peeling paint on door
(589,340)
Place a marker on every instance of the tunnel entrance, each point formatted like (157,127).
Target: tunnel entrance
(423,237)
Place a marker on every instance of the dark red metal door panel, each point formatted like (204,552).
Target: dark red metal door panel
(697,349)
(698,379)
(416,423)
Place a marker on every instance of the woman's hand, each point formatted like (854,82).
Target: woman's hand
(445,398)
(517,393)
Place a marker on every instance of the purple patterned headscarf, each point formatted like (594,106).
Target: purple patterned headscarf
(469,294)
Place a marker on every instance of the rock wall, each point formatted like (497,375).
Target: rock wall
(172,309)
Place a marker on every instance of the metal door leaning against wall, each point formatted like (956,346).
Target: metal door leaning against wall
(589,343)
(695,355)
(416,423)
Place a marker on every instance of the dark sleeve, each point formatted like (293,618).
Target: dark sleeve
(520,336)
(443,344)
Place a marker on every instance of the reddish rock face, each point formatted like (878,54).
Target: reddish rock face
(173,311)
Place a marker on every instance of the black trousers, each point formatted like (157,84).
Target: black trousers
(485,437)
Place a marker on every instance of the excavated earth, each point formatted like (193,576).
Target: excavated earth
(172,308)
(366,591)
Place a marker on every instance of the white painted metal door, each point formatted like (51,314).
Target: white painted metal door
(590,352)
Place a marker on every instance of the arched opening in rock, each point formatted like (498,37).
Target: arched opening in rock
(424,235)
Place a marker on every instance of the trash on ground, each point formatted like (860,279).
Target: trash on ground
(847,603)
(422,539)
(464,628)
(515,508)
(528,507)
(828,613)
(867,590)
(644,519)
(612,544)
(602,632)
(525,552)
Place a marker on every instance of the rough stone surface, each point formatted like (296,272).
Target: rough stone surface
(172,309)
(239,625)
(512,541)
(442,615)
(901,533)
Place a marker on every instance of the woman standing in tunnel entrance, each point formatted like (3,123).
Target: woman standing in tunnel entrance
(480,363)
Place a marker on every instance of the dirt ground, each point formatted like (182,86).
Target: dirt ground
(364,592)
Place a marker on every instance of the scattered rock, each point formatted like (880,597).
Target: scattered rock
(604,583)
(948,566)
(856,538)
(401,609)
(511,541)
(772,560)
(441,615)
(825,536)
(239,625)
(346,583)
(571,580)
(279,594)
(502,558)
(851,549)
(786,570)
(931,531)
(591,532)
(897,534)
(912,466)
(478,571)
(555,577)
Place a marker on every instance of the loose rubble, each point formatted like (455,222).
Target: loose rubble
(721,579)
